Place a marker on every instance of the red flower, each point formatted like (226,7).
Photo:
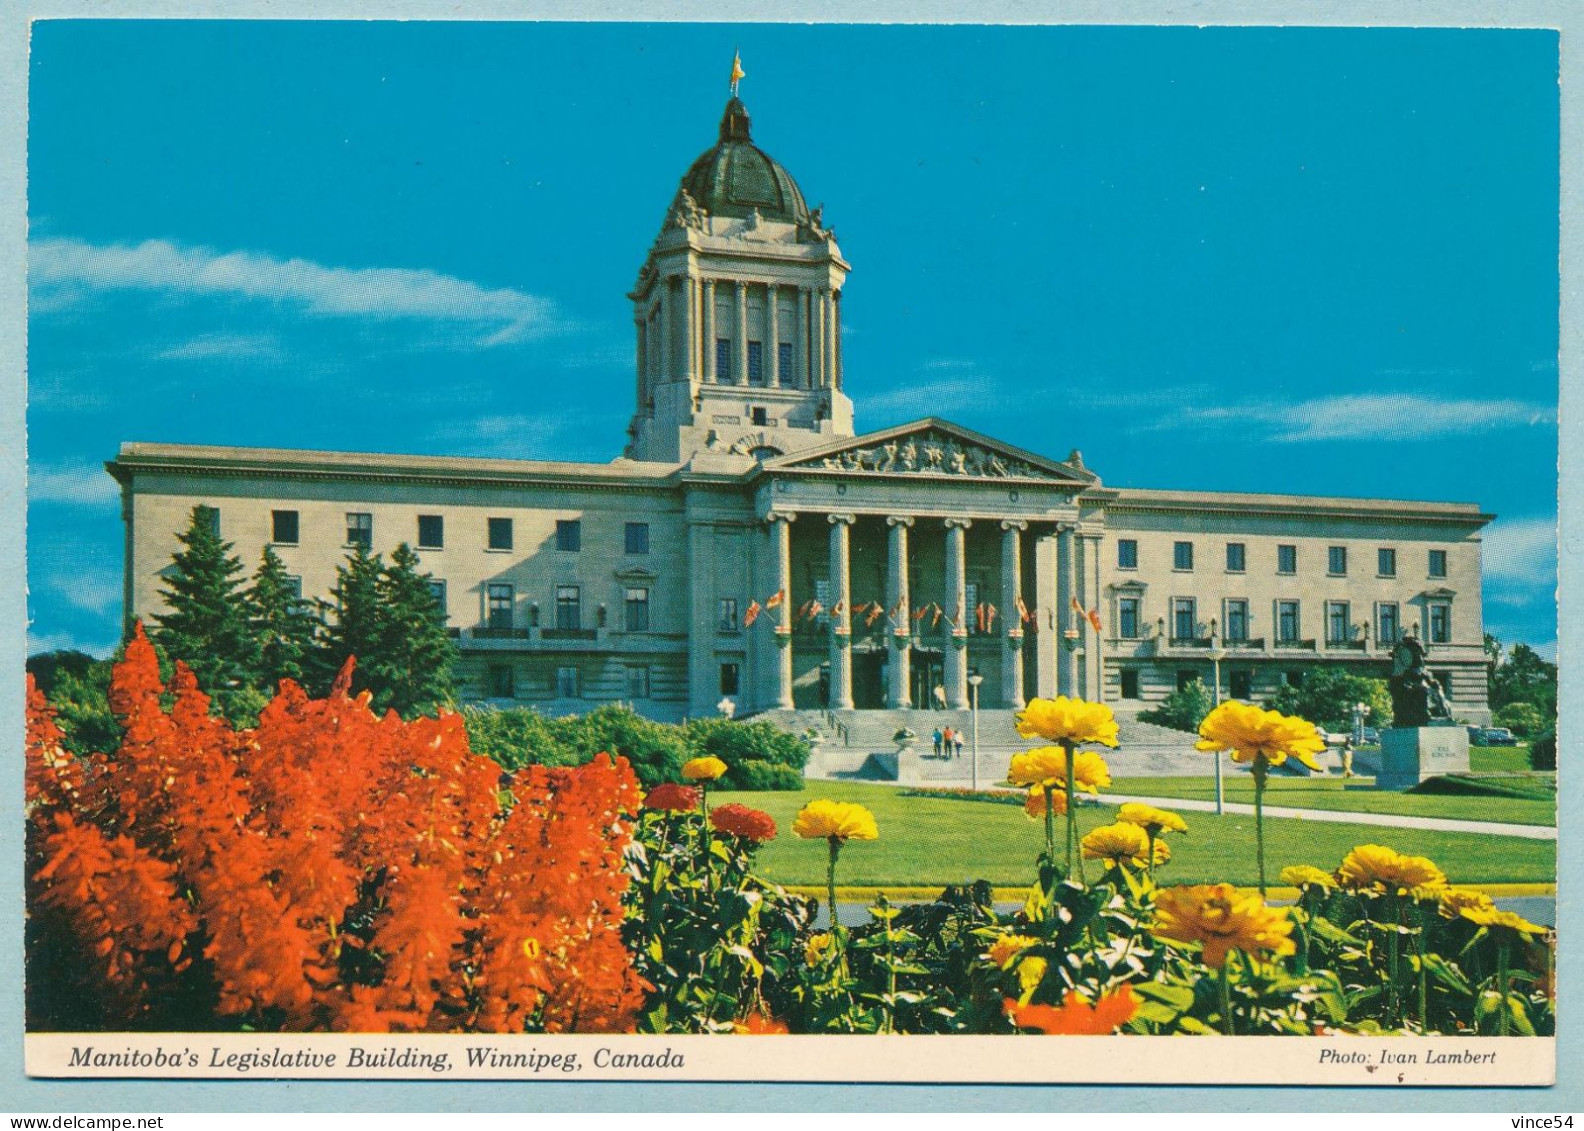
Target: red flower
(670,795)
(1075,1016)
(759,1024)
(739,820)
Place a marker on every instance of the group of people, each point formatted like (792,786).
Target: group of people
(948,743)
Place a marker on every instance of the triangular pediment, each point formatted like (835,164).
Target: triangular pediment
(932,448)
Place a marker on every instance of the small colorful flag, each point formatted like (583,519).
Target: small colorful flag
(939,612)
(875,610)
(751,614)
(1093,616)
(803,610)
(920,614)
(1023,612)
(990,616)
(815,609)
(737,72)
(836,610)
(775,599)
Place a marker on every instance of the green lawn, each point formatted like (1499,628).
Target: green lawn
(1499,759)
(938,841)
(1357,795)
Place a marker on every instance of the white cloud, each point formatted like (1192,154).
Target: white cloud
(495,316)
(64,641)
(211,347)
(91,590)
(1371,416)
(1521,550)
(80,486)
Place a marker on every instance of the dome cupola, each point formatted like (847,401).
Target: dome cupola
(736,178)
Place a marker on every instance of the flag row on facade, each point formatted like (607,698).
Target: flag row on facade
(984,613)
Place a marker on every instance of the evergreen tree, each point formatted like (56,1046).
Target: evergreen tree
(208,627)
(356,628)
(410,669)
(285,626)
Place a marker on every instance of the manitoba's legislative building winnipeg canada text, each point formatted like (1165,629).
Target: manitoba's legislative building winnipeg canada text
(750,545)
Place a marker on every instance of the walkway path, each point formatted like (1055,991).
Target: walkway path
(1341,816)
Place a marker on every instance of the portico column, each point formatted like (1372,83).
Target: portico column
(772,346)
(1011,590)
(841,612)
(898,609)
(1089,594)
(781,533)
(956,598)
(741,376)
(709,331)
(1066,569)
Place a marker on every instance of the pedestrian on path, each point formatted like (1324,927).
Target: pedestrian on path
(938,742)
(958,739)
(950,741)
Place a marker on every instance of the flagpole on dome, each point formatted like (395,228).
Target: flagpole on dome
(737,72)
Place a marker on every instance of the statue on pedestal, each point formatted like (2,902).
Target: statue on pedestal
(1417,698)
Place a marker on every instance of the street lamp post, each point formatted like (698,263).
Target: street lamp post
(1217,654)
(973,692)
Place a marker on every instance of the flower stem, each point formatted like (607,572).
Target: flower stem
(1149,858)
(1072,813)
(1393,959)
(1050,826)
(1424,983)
(1504,1017)
(830,881)
(1261,768)
(1226,998)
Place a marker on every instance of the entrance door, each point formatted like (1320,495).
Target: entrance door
(869,669)
(928,673)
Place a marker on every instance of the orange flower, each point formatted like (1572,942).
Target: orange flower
(1222,919)
(1076,1016)
(758,1023)
(670,795)
(740,820)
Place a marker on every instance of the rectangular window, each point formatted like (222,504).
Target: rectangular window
(728,679)
(637,681)
(637,610)
(283,528)
(723,365)
(1128,618)
(971,605)
(437,590)
(727,621)
(1182,555)
(1440,623)
(1127,553)
(360,530)
(499,599)
(1438,563)
(431,532)
(1130,683)
(755,362)
(502,683)
(822,597)
(1287,622)
(500,533)
(784,372)
(1185,620)
(1339,628)
(636,537)
(569,607)
(569,535)
(1336,561)
(1388,628)
(1286,559)
(760,417)
(1237,621)
(568,685)
(1386,562)
(1240,684)
(1237,557)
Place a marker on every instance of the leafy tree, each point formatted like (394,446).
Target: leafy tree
(1524,719)
(1183,709)
(285,626)
(1522,676)
(207,627)
(82,704)
(1327,696)
(410,667)
(46,667)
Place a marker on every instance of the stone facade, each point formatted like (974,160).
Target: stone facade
(748,544)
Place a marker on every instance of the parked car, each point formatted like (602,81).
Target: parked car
(1369,736)
(1497,736)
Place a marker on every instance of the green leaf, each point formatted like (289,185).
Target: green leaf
(1329,932)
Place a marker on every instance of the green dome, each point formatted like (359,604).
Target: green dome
(737,177)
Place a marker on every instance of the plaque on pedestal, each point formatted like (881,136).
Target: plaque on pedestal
(1409,755)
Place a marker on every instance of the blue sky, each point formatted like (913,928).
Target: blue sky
(1296,260)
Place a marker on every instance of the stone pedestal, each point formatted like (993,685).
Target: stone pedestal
(1409,755)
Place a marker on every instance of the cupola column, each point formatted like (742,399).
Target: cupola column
(772,346)
(817,316)
(741,376)
(709,330)
(688,326)
(805,340)
(828,312)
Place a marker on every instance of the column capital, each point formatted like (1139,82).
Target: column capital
(899,520)
(780,516)
(1066,527)
(843,519)
(959,523)
(1013,524)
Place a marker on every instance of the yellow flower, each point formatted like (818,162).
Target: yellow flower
(1249,731)
(1008,947)
(1307,876)
(1068,721)
(1376,868)
(818,948)
(1459,901)
(1151,819)
(840,819)
(1119,843)
(1222,919)
(1162,853)
(1493,917)
(1047,766)
(703,769)
(1031,972)
(1034,804)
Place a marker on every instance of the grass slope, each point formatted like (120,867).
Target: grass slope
(937,841)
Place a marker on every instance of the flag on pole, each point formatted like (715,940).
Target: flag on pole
(1093,616)
(990,616)
(939,612)
(815,609)
(1023,612)
(737,72)
(836,610)
(802,610)
(874,613)
(920,614)
(751,614)
(774,600)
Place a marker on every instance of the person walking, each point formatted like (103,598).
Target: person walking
(938,738)
(950,740)
(958,739)
(940,696)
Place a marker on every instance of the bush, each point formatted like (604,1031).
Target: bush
(1327,696)
(1524,719)
(1183,709)
(756,774)
(1542,755)
(516,737)
(735,743)
(655,750)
